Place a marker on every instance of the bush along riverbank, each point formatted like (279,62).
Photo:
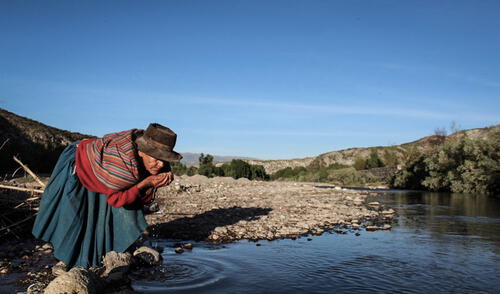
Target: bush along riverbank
(460,165)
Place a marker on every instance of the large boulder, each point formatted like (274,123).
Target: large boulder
(117,266)
(77,280)
(117,262)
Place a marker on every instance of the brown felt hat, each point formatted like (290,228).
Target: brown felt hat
(158,141)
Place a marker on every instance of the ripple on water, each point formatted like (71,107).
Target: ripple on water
(183,274)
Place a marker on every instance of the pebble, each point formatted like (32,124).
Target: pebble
(47,246)
(258,244)
(188,246)
(220,230)
(309,239)
(179,250)
(147,255)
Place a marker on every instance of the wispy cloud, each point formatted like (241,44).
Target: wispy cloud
(476,80)
(347,110)
(280,105)
(449,73)
(285,133)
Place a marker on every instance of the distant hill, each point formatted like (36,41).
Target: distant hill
(36,144)
(39,145)
(348,156)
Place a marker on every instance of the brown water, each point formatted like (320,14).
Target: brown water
(440,243)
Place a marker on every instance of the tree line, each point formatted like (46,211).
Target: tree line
(237,168)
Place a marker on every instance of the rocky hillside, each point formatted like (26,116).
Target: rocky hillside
(348,156)
(36,144)
(39,145)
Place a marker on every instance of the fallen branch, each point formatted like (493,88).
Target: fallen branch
(4,142)
(29,172)
(22,189)
(26,201)
(14,173)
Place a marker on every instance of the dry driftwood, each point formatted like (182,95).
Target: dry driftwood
(21,189)
(19,224)
(29,172)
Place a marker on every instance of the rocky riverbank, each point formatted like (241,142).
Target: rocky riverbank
(225,209)
(219,210)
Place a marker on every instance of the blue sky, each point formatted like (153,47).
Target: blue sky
(267,79)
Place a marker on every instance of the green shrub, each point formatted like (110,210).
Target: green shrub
(360,163)
(390,157)
(466,166)
(178,168)
(206,165)
(460,165)
(192,170)
(374,160)
(412,176)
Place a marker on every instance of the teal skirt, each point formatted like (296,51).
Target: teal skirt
(79,223)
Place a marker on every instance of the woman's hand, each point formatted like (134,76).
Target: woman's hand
(156,181)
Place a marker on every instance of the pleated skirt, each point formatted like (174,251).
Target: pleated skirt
(79,223)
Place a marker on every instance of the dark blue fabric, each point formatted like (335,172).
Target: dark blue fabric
(79,223)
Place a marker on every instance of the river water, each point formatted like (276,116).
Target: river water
(440,243)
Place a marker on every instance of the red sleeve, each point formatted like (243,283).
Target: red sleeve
(121,198)
(89,180)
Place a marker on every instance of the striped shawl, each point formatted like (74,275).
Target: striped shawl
(114,159)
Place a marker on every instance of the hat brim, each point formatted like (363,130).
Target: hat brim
(157,153)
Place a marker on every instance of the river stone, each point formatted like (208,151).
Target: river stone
(389,211)
(358,201)
(59,269)
(147,255)
(77,280)
(220,230)
(117,262)
(35,288)
(187,246)
(47,246)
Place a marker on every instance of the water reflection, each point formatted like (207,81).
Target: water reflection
(440,243)
(448,214)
